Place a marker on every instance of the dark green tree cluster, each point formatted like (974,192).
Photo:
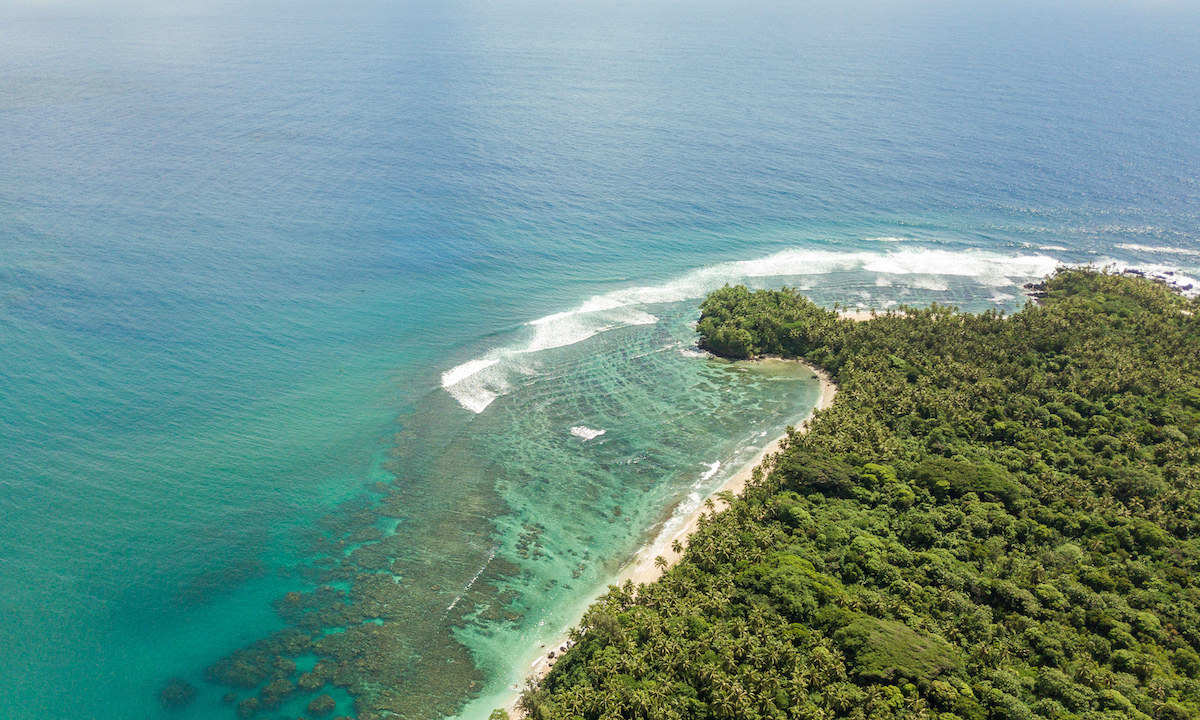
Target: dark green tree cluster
(999,517)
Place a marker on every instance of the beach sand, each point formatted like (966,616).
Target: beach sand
(642,569)
(859,315)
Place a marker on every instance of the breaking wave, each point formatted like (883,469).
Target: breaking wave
(1158,249)
(478,382)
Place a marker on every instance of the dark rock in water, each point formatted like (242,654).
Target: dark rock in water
(177,693)
(310,681)
(273,695)
(321,705)
(251,666)
(247,708)
(284,667)
(229,698)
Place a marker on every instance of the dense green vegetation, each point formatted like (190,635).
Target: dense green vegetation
(997,518)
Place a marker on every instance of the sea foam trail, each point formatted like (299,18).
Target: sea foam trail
(477,383)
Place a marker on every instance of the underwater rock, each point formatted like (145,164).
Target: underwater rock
(374,639)
(309,682)
(247,708)
(285,667)
(251,666)
(321,705)
(244,670)
(275,692)
(176,694)
(229,698)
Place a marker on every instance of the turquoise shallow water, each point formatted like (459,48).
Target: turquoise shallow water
(315,296)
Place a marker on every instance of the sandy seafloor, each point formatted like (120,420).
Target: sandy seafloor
(643,568)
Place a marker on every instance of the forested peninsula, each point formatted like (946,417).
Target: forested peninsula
(997,518)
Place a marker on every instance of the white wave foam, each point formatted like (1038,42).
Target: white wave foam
(477,383)
(712,470)
(1187,286)
(596,304)
(586,433)
(1158,249)
(593,318)
(459,373)
(923,282)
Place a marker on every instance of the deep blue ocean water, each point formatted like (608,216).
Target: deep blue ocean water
(297,295)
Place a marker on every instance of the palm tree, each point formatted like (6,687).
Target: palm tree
(724,704)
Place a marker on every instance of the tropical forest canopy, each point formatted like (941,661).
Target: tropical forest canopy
(997,518)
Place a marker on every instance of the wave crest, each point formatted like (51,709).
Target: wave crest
(478,382)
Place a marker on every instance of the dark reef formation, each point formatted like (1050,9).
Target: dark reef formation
(364,626)
(176,694)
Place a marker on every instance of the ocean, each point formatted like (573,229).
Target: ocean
(348,348)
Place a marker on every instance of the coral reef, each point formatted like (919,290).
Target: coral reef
(275,692)
(176,694)
(247,707)
(321,705)
(367,617)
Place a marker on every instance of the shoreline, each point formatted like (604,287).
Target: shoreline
(642,569)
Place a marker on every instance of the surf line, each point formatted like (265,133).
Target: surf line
(476,383)
(468,587)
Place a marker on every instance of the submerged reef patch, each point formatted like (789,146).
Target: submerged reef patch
(363,623)
(176,694)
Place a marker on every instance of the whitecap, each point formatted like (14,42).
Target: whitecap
(459,373)
(923,282)
(1158,249)
(587,433)
(568,328)
(477,383)
(712,469)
